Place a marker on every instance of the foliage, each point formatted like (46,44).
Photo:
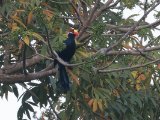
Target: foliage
(118,74)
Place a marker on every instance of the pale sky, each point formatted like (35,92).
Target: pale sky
(8,109)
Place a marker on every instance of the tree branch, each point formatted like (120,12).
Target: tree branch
(88,22)
(131,29)
(126,29)
(126,68)
(101,10)
(85,12)
(18,78)
(131,52)
(19,65)
(77,12)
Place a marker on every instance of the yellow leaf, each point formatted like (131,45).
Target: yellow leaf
(138,86)
(36,35)
(17,19)
(30,16)
(127,46)
(14,26)
(20,10)
(26,40)
(134,74)
(90,103)
(138,81)
(141,77)
(39,37)
(100,104)
(95,105)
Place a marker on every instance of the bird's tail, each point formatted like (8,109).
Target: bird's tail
(63,79)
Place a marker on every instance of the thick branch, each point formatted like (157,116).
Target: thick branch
(93,15)
(85,12)
(18,78)
(17,66)
(101,10)
(77,12)
(88,21)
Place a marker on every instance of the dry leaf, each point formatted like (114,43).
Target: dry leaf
(90,103)
(30,16)
(95,105)
(100,106)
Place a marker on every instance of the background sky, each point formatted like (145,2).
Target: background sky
(8,109)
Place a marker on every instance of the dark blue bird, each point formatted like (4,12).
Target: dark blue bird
(66,54)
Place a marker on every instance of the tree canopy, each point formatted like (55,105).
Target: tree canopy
(114,73)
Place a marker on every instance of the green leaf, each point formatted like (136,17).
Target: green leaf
(26,96)
(27,113)
(62,114)
(153,102)
(44,50)
(20,113)
(139,102)
(15,90)
(28,107)
(32,103)
(130,3)
(133,15)
(5,90)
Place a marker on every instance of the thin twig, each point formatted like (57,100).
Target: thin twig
(77,13)
(128,68)
(133,52)
(59,2)
(97,69)
(144,55)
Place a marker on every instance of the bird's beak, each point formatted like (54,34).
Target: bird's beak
(76,33)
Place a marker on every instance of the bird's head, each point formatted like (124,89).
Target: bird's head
(74,32)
